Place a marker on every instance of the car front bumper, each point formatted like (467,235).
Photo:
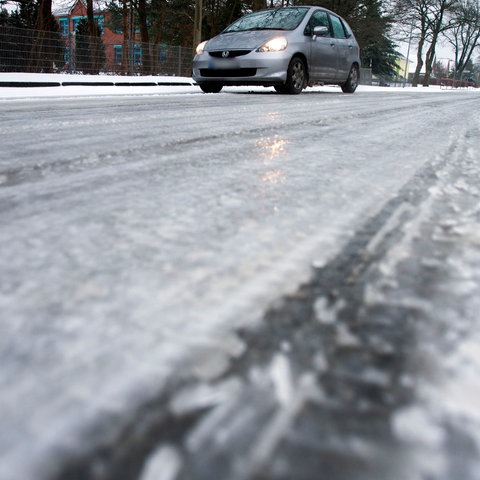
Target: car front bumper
(255,68)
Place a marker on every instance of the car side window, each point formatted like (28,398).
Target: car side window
(347,29)
(338,30)
(318,19)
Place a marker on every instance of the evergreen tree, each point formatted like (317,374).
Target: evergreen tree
(24,48)
(377,50)
(47,49)
(25,16)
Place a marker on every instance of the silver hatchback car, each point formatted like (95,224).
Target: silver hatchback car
(288,48)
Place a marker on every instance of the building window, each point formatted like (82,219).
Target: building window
(99,19)
(63,22)
(75,21)
(118,54)
(137,54)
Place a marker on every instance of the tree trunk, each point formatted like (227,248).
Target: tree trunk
(92,27)
(160,19)
(92,40)
(126,38)
(145,38)
(197,23)
(416,75)
(429,64)
(39,54)
(44,16)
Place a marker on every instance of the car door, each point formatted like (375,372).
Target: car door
(343,47)
(323,51)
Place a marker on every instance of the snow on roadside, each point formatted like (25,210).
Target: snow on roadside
(160,85)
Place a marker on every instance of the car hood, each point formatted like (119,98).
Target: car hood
(241,40)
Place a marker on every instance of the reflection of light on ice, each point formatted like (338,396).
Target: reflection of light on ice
(271,147)
(274,176)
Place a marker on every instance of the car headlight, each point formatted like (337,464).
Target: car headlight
(200,48)
(276,44)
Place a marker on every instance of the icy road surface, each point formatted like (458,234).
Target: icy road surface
(141,234)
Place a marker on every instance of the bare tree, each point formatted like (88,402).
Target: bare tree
(43,45)
(197,24)
(426,19)
(439,22)
(144,36)
(93,39)
(159,10)
(92,27)
(127,19)
(465,35)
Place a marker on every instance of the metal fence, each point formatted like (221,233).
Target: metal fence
(23,50)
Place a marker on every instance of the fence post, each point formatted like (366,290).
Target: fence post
(131,58)
(70,53)
(179,60)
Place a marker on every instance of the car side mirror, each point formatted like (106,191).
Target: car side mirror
(320,31)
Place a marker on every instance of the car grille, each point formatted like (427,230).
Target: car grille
(231,53)
(236,72)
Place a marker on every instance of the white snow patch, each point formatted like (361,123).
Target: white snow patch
(415,425)
(203,395)
(163,464)
(345,337)
(281,374)
(326,313)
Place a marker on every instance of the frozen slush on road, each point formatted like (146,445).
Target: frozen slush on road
(243,295)
(288,48)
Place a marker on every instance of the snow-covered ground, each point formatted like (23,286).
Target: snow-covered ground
(142,227)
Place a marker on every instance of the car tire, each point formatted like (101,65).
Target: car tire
(352,81)
(210,87)
(296,77)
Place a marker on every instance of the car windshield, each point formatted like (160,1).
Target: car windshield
(279,19)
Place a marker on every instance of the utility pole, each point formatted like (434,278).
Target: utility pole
(197,27)
(405,73)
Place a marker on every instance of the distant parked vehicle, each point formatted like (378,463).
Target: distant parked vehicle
(288,48)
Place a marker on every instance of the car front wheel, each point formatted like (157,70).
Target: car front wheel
(352,81)
(210,87)
(296,77)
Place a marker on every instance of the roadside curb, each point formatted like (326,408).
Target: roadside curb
(29,84)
